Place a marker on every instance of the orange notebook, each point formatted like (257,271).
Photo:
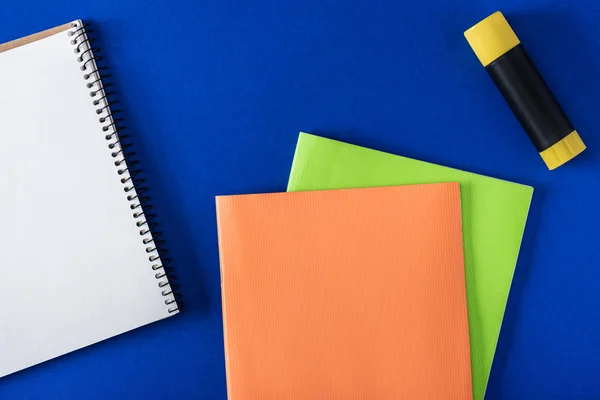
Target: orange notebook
(345,294)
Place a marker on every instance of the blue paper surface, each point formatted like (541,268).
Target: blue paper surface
(215,93)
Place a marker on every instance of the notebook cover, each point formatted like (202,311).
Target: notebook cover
(344,294)
(494,214)
(13,44)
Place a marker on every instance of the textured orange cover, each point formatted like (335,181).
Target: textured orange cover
(345,294)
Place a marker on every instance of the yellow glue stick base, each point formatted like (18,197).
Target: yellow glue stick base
(563,151)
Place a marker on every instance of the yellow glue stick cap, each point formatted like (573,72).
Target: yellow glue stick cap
(491,38)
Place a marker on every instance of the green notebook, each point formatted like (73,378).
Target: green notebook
(494,215)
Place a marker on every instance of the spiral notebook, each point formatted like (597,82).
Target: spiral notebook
(79,260)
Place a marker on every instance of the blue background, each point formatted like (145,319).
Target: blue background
(215,93)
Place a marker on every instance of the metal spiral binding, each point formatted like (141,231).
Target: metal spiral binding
(127,165)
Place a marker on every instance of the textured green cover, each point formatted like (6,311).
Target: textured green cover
(494,215)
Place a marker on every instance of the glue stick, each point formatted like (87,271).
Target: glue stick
(501,53)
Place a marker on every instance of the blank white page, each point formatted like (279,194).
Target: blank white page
(73,265)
